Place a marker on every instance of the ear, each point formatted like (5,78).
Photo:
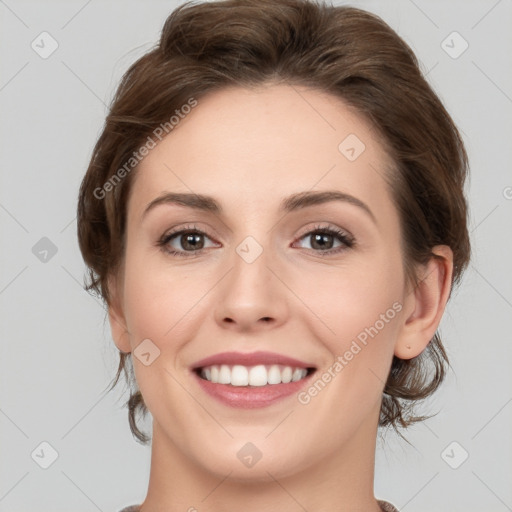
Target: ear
(425,304)
(116,317)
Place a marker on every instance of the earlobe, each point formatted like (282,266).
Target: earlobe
(426,304)
(116,318)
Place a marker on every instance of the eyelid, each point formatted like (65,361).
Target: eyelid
(193,225)
(326,227)
(347,240)
(165,238)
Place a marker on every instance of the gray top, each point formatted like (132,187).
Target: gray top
(384,505)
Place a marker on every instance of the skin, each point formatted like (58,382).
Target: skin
(250,148)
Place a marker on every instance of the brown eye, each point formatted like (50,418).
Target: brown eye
(321,241)
(328,240)
(179,243)
(191,241)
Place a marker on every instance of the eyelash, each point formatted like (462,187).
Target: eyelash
(347,240)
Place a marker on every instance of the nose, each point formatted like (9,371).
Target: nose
(251,296)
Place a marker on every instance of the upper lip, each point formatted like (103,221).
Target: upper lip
(250,359)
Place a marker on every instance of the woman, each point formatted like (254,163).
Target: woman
(274,215)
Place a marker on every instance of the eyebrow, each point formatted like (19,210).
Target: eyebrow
(289,204)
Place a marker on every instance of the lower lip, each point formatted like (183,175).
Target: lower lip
(251,397)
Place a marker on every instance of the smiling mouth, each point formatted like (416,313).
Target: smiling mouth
(253,376)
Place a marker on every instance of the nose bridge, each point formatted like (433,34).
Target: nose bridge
(250,273)
(250,292)
(253,249)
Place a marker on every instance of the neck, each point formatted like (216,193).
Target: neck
(341,482)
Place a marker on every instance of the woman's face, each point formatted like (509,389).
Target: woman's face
(321,282)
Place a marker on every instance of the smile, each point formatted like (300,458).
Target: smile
(260,375)
(252,380)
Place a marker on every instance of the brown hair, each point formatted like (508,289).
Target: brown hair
(344,51)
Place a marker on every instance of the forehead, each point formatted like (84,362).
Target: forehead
(258,145)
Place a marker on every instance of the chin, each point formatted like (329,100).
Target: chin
(252,461)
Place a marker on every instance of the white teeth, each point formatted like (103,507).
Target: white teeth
(239,376)
(297,374)
(224,375)
(260,375)
(274,375)
(286,374)
(215,374)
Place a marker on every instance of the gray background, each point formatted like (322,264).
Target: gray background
(57,356)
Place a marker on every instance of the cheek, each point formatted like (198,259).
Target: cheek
(159,300)
(344,302)
(357,318)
